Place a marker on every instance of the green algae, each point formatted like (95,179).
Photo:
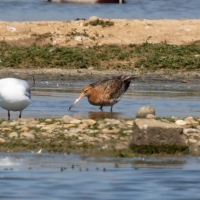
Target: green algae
(99,22)
(144,56)
(159,149)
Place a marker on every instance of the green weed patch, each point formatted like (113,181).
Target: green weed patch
(145,56)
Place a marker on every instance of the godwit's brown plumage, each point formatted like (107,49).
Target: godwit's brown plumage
(106,92)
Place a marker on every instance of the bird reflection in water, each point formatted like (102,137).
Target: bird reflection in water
(103,115)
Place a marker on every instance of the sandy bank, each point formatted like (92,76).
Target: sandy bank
(123,32)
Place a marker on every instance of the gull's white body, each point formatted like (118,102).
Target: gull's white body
(14,94)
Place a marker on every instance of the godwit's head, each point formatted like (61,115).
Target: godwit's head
(86,92)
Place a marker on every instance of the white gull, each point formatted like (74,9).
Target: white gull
(15,95)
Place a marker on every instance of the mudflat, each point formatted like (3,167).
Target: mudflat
(89,33)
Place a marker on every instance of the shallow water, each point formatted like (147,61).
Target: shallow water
(51,176)
(51,99)
(63,176)
(39,10)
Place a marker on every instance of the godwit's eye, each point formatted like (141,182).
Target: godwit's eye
(86,90)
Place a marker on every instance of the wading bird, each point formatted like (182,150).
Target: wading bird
(15,95)
(106,92)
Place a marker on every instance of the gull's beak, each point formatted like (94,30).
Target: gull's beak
(77,100)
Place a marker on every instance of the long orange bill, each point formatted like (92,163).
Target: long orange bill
(77,100)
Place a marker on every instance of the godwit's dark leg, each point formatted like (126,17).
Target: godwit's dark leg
(111,108)
(8,115)
(101,108)
(20,115)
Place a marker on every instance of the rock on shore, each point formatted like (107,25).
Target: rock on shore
(104,136)
(157,136)
(153,132)
(65,134)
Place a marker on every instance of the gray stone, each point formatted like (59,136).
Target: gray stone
(70,134)
(24,129)
(40,125)
(102,125)
(68,125)
(5,124)
(180,122)
(14,123)
(85,138)
(123,125)
(127,132)
(32,124)
(18,127)
(190,131)
(83,126)
(150,116)
(92,132)
(45,134)
(110,131)
(103,136)
(112,121)
(191,141)
(74,130)
(194,147)
(70,120)
(89,122)
(93,18)
(190,120)
(13,135)
(130,122)
(66,119)
(48,120)
(121,146)
(75,121)
(6,129)
(50,127)
(2,140)
(25,120)
(27,135)
(152,132)
(144,111)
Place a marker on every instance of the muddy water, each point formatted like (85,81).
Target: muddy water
(62,176)
(51,99)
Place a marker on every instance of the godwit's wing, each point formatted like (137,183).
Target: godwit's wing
(112,89)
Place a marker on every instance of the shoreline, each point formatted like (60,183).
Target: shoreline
(100,137)
(91,75)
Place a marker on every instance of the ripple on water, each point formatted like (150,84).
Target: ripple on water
(141,177)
